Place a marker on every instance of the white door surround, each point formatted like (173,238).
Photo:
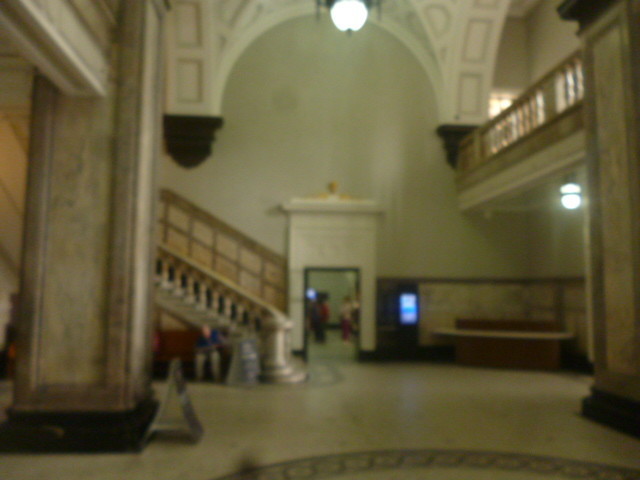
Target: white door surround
(332,233)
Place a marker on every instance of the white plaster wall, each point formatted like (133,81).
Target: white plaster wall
(550,39)
(512,66)
(306,105)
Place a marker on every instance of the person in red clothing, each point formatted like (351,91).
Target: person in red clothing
(346,318)
(319,317)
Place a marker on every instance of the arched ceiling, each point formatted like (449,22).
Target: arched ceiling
(455,41)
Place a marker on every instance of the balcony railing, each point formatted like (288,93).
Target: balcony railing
(554,94)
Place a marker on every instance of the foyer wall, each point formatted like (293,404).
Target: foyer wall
(557,243)
(550,39)
(512,69)
(307,104)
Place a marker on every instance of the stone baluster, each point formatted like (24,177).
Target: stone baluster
(214,305)
(178,287)
(579,79)
(165,273)
(239,314)
(228,307)
(189,289)
(201,295)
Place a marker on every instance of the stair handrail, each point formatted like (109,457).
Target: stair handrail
(253,264)
(275,326)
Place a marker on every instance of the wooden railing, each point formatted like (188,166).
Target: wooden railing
(557,92)
(212,244)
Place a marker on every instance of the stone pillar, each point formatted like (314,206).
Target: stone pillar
(610,33)
(83,335)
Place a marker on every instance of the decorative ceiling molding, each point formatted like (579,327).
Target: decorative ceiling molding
(470,63)
(522,8)
(399,18)
(53,37)
(455,42)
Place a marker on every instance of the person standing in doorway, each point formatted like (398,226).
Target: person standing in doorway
(346,318)
(319,316)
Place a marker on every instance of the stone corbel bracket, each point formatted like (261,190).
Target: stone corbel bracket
(189,139)
(451,136)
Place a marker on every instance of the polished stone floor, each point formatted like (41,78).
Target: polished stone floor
(392,421)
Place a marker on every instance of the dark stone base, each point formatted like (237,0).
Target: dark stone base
(616,412)
(439,353)
(576,362)
(99,432)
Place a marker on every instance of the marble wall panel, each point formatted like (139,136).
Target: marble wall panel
(441,303)
(202,255)
(227,246)
(76,266)
(226,268)
(273,274)
(250,261)
(616,210)
(203,233)
(250,282)
(269,294)
(178,241)
(178,218)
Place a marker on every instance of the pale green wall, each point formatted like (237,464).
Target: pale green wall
(557,242)
(306,105)
(533,45)
(550,39)
(512,68)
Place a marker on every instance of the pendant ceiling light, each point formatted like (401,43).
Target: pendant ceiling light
(348,15)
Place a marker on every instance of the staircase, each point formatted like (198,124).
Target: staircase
(209,273)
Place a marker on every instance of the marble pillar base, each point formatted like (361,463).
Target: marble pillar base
(616,412)
(75,432)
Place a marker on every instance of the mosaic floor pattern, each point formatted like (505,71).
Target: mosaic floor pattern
(435,465)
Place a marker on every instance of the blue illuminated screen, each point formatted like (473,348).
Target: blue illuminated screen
(408,308)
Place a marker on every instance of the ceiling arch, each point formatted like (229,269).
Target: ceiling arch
(400,21)
(455,41)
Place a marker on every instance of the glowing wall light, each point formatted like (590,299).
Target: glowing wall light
(571,195)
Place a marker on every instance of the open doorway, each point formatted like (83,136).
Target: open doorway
(332,311)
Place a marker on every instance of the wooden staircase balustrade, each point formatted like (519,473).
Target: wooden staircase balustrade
(214,245)
(209,298)
(557,92)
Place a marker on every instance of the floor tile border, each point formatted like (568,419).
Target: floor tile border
(380,460)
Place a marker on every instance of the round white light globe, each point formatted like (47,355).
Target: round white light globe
(571,201)
(349,14)
(570,188)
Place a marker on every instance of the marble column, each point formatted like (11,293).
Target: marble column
(83,335)
(610,33)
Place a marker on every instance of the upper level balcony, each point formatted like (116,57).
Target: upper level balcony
(540,136)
